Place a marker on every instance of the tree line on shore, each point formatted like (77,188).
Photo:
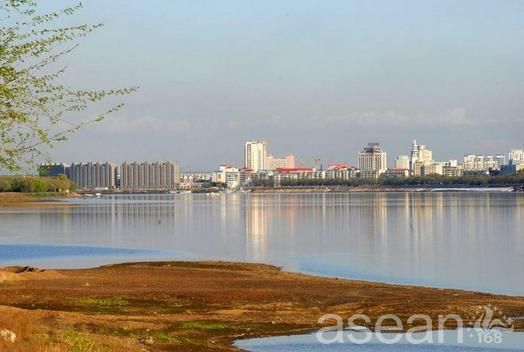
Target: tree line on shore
(35,184)
(413,181)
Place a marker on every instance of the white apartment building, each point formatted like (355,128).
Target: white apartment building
(288,162)
(372,159)
(149,176)
(483,162)
(435,168)
(342,173)
(402,162)
(229,175)
(453,171)
(197,176)
(93,176)
(395,173)
(255,155)
(426,169)
(516,156)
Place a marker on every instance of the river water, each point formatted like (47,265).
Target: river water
(473,241)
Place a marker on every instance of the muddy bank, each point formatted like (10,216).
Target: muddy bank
(199,306)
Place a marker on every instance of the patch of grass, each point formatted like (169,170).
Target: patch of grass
(80,343)
(105,302)
(199,325)
(162,336)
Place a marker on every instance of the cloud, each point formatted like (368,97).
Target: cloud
(452,118)
(118,124)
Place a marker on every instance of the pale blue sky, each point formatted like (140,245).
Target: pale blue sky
(316,78)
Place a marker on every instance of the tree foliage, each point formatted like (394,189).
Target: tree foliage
(36,184)
(414,181)
(34,105)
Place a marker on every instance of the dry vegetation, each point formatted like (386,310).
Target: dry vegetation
(28,200)
(186,306)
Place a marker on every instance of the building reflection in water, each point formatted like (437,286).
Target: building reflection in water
(269,217)
(257,223)
(113,221)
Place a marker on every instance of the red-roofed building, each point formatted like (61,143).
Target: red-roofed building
(338,166)
(294,170)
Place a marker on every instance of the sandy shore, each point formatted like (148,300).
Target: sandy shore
(198,306)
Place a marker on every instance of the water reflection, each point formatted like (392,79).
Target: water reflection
(257,228)
(466,240)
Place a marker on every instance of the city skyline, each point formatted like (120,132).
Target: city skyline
(297,161)
(262,168)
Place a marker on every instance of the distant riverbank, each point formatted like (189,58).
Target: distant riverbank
(379,188)
(199,306)
(57,199)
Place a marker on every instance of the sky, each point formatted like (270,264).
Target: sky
(319,79)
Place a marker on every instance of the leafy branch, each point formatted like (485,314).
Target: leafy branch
(34,105)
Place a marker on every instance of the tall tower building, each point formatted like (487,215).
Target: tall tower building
(93,176)
(414,155)
(420,155)
(149,176)
(255,155)
(372,159)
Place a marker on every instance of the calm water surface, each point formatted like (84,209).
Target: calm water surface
(462,240)
(309,343)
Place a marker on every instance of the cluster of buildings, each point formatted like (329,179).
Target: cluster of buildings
(257,162)
(420,162)
(128,177)
(262,167)
(259,166)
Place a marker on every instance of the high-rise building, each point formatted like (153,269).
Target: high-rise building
(402,162)
(419,154)
(147,176)
(483,162)
(372,159)
(93,176)
(287,162)
(255,155)
(53,169)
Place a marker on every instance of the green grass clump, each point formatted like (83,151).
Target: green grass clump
(196,325)
(103,302)
(80,343)
(162,336)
